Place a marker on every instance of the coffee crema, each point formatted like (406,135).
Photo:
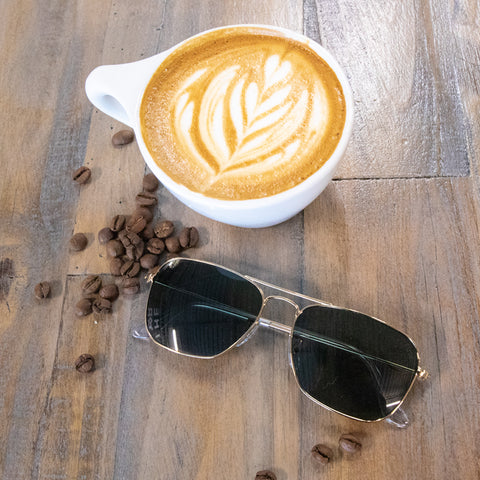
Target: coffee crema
(242,113)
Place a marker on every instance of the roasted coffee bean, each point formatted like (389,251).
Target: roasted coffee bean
(134,252)
(78,242)
(146,199)
(170,256)
(91,284)
(172,244)
(148,261)
(115,248)
(130,286)
(129,238)
(85,363)
(130,269)
(147,233)
(350,444)
(82,175)
(156,246)
(83,307)
(110,292)
(42,290)
(105,235)
(188,237)
(117,223)
(123,137)
(150,182)
(163,229)
(145,212)
(115,266)
(102,305)
(136,224)
(265,475)
(322,454)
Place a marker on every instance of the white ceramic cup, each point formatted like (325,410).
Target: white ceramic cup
(117,90)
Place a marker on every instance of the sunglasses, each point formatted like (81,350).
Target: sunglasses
(343,360)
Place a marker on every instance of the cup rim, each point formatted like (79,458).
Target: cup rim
(325,170)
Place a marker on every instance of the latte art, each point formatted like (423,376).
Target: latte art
(243,115)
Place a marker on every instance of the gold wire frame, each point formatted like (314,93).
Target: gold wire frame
(420,373)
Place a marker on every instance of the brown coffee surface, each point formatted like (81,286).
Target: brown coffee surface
(242,113)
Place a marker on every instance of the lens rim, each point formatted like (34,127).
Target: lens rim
(251,330)
(290,360)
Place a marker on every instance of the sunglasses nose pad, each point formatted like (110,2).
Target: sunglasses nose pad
(248,335)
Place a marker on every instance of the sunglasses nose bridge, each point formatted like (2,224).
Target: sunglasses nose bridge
(283,299)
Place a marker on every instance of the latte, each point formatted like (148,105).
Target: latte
(242,113)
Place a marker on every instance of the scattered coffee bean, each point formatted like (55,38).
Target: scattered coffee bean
(115,248)
(115,266)
(136,224)
(145,212)
(91,284)
(130,269)
(322,453)
(102,305)
(135,252)
(117,223)
(163,229)
(42,290)
(78,242)
(83,307)
(105,235)
(146,199)
(348,443)
(148,261)
(148,233)
(188,237)
(172,244)
(85,363)
(129,238)
(265,475)
(110,292)
(90,296)
(123,137)
(156,246)
(130,286)
(82,175)
(150,182)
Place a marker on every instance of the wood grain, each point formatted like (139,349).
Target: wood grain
(396,235)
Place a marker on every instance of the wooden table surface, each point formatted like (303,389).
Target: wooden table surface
(395,235)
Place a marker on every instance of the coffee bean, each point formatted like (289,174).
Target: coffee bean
(91,284)
(265,475)
(188,237)
(42,290)
(83,307)
(146,199)
(148,261)
(145,212)
(349,444)
(163,229)
(130,269)
(115,266)
(172,244)
(117,223)
(150,182)
(110,292)
(105,235)
(130,286)
(134,252)
(78,242)
(147,233)
(171,256)
(129,238)
(115,248)
(123,137)
(101,306)
(136,224)
(156,246)
(322,453)
(85,363)
(82,175)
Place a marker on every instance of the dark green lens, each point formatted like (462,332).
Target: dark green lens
(352,363)
(200,309)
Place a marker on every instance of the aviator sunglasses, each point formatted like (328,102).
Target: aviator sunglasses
(344,360)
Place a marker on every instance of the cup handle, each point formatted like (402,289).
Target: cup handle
(115,89)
